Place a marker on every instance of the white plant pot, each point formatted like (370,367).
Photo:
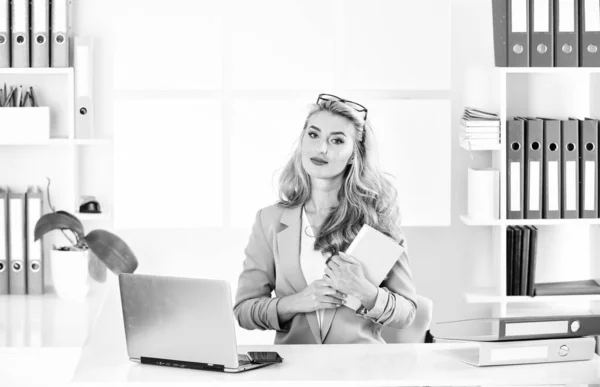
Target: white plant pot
(70,273)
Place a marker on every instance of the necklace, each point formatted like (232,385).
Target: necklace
(309,231)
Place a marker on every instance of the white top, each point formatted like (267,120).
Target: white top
(312,261)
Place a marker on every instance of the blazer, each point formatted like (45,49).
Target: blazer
(272,263)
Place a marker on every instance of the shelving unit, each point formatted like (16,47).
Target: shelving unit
(567,248)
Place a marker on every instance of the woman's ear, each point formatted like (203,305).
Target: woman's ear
(351,160)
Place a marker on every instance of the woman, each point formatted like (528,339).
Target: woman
(328,190)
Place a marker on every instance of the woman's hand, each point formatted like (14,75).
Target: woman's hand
(345,274)
(317,295)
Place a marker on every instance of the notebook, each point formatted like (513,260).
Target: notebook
(377,253)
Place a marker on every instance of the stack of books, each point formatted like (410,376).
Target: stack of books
(479,130)
(520,340)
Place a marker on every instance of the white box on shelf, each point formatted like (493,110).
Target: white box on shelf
(484,193)
(20,125)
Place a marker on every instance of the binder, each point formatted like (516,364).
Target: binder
(525,248)
(534,141)
(552,170)
(500,30)
(519,328)
(20,33)
(542,33)
(518,33)
(34,253)
(16,215)
(532,260)
(4,33)
(517,257)
(515,169)
(60,33)
(524,351)
(570,168)
(589,33)
(510,240)
(83,61)
(4,242)
(588,169)
(40,29)
(566,37)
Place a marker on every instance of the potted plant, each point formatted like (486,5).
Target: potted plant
(86,256)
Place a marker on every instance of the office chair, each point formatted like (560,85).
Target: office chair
(418,331)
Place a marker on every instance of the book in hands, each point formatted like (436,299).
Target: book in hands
(377,254)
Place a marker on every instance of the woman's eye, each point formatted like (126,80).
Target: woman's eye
(338,141)
(312,135)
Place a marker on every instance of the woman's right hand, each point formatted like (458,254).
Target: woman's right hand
(317,295)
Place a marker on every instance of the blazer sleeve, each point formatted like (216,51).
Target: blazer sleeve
(396,303)
(254,308)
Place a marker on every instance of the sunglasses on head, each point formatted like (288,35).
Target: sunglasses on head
(354,105)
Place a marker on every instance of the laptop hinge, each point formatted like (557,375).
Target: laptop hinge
(181,364)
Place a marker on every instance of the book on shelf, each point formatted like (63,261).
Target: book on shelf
(521,256)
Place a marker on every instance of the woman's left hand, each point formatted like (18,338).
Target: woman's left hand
(345,274)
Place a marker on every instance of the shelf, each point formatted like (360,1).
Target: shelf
(536,222)
(549,70)
(36,71)
(488,296)
(92,141)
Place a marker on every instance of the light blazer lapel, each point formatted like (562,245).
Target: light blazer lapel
(288,245)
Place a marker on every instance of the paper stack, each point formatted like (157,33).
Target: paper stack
(479,130)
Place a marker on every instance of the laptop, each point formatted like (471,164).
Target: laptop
(181,322)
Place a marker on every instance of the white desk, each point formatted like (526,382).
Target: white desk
(104,359)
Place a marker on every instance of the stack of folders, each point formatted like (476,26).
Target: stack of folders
(546,33)
(521,252)
(520,340)
(479,130)
(34,33)
(21,257)
(552,168)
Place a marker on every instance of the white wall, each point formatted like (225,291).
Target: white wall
(136,82)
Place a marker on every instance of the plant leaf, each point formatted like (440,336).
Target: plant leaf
(58,221)
(96,268)
(112,250)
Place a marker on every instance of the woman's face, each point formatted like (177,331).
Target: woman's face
(327,145)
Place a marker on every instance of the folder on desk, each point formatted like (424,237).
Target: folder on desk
(4,242)
(542,33)
(40,30)
(20,33)
(552,169)
(579,287)
(570,168)
(589,33)
(532,260)
(523,351)
(534,142)
(500,30)
(515,168)
(518,33)
(16,215)
(519,328)
(35,261)
(377,254)
(566,38)
(60,33)
(4,33)
(588,169)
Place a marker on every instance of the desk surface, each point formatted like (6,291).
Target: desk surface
(104,359)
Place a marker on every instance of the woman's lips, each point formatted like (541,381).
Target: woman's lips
(318,161)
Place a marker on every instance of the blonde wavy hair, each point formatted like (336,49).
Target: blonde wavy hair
(365,196)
